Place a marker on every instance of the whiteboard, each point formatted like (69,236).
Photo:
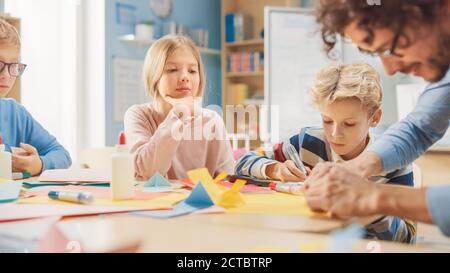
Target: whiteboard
(293,56)
(128,86)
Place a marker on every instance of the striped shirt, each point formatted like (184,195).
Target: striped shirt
(313,148)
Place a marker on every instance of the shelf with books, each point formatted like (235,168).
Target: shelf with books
(245,62)
(251,42)
(242,29)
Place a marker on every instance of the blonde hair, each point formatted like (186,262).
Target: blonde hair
(156,58)
(8,34)
(340,81)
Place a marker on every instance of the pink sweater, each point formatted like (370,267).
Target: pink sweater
(156,149)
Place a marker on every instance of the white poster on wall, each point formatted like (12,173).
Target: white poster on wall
(128,86)
(293,56)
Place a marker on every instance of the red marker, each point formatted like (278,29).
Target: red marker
(292,188)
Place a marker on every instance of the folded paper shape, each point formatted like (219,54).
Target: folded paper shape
(233,198)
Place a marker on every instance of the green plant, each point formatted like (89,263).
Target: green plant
(148,22)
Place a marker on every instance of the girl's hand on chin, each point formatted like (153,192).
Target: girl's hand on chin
(186,108)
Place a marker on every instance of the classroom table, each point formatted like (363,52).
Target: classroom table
(213,232)
(223,233)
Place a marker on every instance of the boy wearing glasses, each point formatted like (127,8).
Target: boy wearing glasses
(39,150)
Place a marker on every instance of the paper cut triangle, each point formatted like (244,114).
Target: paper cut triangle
(203,175)
(232,197)
(197,200)
(199,197)
(157,180)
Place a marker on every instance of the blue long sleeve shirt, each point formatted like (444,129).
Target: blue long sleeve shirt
(406,140)
(409,138)
(18,126)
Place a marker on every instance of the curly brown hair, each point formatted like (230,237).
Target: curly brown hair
(334,15)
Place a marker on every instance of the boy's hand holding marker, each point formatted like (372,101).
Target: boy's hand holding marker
(286,171)
(290,170)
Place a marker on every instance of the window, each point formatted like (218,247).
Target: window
(58,46)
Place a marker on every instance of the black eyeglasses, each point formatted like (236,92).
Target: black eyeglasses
(14,69)
(386,53)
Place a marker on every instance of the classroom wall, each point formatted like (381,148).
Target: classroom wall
(193,14)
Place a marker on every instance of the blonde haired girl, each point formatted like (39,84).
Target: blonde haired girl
(174,76)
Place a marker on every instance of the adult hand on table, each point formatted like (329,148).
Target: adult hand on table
(333,188)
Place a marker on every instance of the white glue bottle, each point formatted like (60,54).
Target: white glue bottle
(122,179)
(5,162)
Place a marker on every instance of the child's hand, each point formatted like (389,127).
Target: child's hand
(186,107)
(31,162)
(286,171)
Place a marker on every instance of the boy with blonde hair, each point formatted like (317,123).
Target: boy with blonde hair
(349,99)
(40,150)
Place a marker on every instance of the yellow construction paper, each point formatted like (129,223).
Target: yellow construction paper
(275,204)
(233,198)
(4,180)
(220,176)
(163,202)
(211,188)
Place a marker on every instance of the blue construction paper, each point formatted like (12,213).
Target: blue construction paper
(157,189)
(343,240)
(9,191)
(157,180)
(198,199)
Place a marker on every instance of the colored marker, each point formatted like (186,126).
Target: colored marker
(21,175)
(70,196)
(288,188)
(292,152)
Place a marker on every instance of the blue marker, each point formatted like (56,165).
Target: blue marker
(70,196)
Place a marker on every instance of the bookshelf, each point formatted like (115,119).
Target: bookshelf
(15,91)
(254,80)
(252,42)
